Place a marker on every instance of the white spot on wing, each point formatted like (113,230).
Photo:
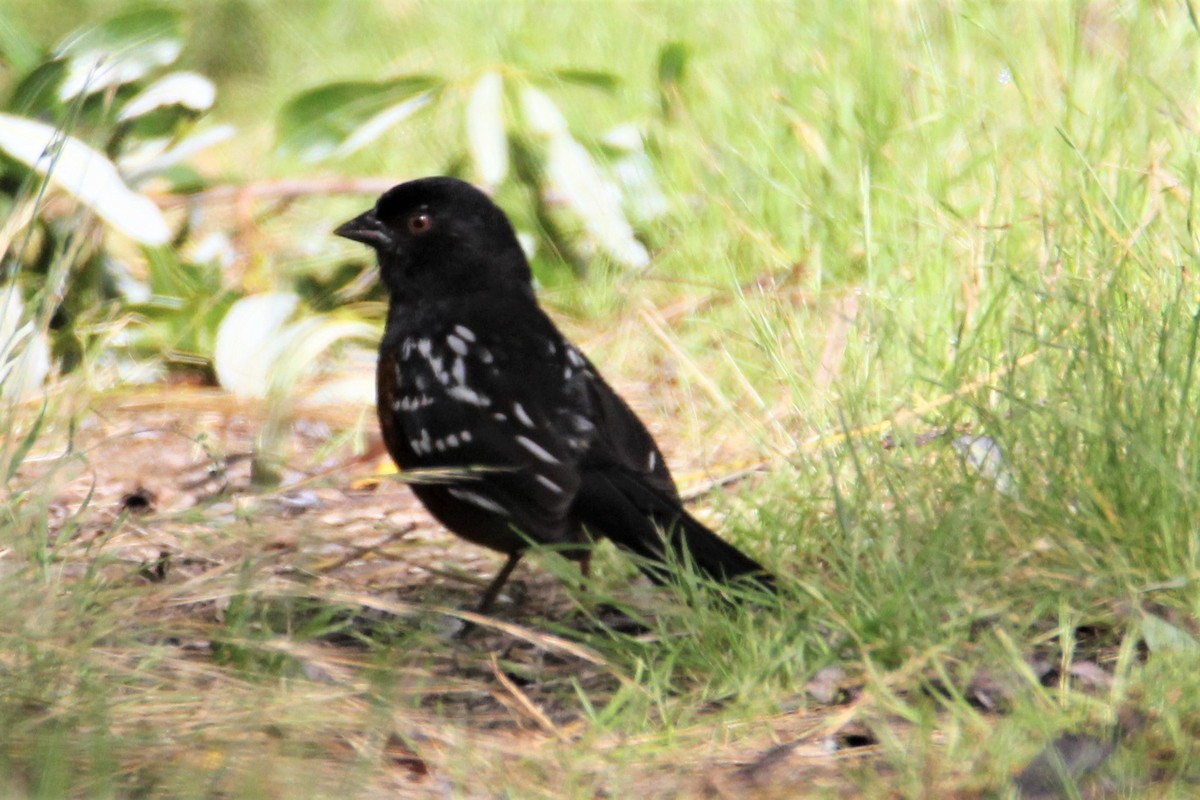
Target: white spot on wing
(465,332)
(413,402)
(465,436)
(479,500)
(652,461)
(459,370)
(535,448)
(549,484)
(522,415)
(425,347)
(439,369)
(468,395)
(457,344)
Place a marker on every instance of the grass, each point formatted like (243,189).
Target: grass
(893,226)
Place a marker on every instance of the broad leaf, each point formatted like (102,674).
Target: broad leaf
(339,118)
(303,341)
(379,124)
(672,64)
(17,46)
(156,157)
(486,137)
(85,173)
(188,90)
(259,352)
(121,50)
(37,93)
(541,113)
(634,173)
(576,178)
(249,341)
(644,199)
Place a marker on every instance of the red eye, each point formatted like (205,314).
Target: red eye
(420,223)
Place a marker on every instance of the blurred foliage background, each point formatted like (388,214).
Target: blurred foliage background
(925,270)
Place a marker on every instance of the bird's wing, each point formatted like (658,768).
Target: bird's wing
(622,442)
(503,401)
(626,493)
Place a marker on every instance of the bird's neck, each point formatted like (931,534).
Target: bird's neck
(411,308)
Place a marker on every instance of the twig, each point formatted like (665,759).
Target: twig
(277,189)
(527,705)
(704,487)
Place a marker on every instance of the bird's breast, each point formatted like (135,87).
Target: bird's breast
(389,388)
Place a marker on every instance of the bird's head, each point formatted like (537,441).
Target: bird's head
(441,237)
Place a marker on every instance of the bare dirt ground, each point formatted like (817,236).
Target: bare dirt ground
(160,494)
(333,511)
(156,496)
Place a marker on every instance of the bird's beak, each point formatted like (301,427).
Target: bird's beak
(365,228)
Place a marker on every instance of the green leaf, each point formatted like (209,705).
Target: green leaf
(152,162)
(17,47)
(304,340)
(672,63)
(605,81)
(249,341)
(121,50)
(37,93)
(260,351)
(188,90)
(574,176)
(171,280)
(339,118)
(85,173)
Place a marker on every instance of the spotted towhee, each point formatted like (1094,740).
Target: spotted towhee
(523,440)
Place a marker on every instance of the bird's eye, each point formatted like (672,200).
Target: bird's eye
(420,223)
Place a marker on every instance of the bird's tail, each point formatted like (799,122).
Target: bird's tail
(644,522)
(691,540)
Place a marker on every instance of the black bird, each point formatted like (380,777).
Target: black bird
(527,442)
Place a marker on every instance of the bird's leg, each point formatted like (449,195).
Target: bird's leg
(585,566)
(498,582)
